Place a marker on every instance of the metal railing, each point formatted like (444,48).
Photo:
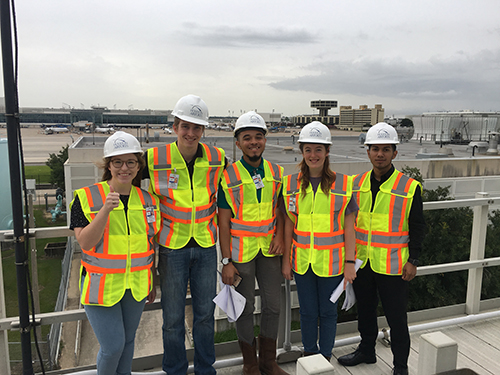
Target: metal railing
(473,304)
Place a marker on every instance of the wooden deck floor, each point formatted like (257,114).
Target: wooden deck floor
(478,350)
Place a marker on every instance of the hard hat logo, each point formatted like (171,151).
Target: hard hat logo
(196,111)
(120,143)
(383,134)
(315,133)
(255,120)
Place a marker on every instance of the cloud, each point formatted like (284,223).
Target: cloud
(460,75)
(244,37)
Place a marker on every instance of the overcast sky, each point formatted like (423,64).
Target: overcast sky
(410,56)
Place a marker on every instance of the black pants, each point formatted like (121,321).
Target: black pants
(393,292)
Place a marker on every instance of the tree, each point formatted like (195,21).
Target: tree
(447,240)
(56,165)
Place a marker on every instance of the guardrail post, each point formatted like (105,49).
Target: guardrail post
(478,240)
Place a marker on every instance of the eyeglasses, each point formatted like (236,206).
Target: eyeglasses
(117,163)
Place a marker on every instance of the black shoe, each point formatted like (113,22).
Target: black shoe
(355,358)
(399,371)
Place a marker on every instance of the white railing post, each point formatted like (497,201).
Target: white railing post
(477,243)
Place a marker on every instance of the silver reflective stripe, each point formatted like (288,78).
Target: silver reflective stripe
(397,213)
(165,232)
(390,239)
(276,171)
(362,236)
(202,214)
(116,264)
(329,241)
(400,187)
(339,185)
(162,158)
(94,286)
(293,188)
(394,263)
(252,228)
(96,198)
(180,215)
(302,240)
(336,262)
(214,156)
(358,181)
(212,184)
(212,228)
(141,262)
(233,179)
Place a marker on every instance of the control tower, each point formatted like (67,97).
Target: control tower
(323,106)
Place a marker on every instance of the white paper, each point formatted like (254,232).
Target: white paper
(350,299)
(230,301)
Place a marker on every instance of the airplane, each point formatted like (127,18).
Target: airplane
(104,130)
(54,129)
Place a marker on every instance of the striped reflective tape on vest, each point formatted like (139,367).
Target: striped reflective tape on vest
(327,240)
(141,261)
(94,295)
(358,181)
(253,229)
(95,197)
(176,213)
(104,263)
(275,170)
(232,176)
(293,184)
(213,154)
(204,213)
(161,157)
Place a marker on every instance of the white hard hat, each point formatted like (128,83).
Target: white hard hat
(250,120)
(191,108)
(315,132)
(381,133)
(121,143)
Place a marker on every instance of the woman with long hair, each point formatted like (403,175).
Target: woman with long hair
(319,237)
(115,222)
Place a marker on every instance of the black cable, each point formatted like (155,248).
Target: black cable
(25,190)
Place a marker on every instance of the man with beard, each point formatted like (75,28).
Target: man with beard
(251,241)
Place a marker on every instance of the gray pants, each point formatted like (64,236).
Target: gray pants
(267,270)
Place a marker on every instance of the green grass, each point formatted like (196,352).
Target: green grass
(41,173)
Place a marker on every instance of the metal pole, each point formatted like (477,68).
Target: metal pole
(12,119)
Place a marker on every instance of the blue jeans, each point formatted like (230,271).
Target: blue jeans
(176,267)
(314,298)
(115,329)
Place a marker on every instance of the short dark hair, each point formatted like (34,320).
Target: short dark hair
(237,132)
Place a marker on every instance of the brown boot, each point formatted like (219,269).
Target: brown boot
(267,357)
(250,365)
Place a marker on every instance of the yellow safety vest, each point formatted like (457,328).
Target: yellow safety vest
(188,208)
(382,234)
(253,224)
(318,234)
(125,254)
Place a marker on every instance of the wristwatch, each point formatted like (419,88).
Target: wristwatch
(226,261)
(413,261)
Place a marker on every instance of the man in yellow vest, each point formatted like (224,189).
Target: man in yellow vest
(251,240)
(185,176)
(389,232)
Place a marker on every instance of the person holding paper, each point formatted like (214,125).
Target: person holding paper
(251,241)
(319,237)
(115,223)
(389,231)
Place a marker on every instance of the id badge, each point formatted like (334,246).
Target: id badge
(173,181)
(257,180)
(150,214)
(292,204)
